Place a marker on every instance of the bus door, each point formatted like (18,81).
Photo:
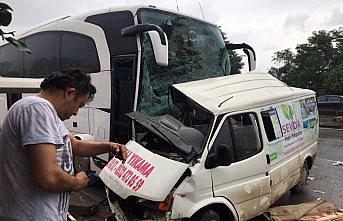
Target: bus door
(123,85)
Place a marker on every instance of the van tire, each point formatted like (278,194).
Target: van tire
(207,215)
(301,185)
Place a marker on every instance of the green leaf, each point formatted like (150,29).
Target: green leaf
(19,44)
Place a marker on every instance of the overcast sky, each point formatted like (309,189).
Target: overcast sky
(267,25)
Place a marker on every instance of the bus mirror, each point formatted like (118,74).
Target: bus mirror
(160,50)
(158,39)
(248,50)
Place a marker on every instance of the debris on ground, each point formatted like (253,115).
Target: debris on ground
(310,178)
(337,163)
(319,210)
(318,191)
(83,207)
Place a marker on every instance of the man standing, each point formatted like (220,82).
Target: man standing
(36,150)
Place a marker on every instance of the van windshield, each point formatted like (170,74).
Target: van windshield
(196,51)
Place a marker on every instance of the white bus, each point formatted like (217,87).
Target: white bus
(133,54)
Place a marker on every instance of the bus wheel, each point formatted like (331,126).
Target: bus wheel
(300,186)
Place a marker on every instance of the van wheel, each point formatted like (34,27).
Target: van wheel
(301,185)
(207,215)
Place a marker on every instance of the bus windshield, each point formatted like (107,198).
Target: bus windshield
(196,51)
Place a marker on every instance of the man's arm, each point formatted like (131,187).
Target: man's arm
(87,148)
(48,175)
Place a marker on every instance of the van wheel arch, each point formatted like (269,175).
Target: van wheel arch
(309,162)
(301,185)
(214,210)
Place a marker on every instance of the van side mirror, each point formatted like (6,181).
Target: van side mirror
(159,40)
(248,50)
(218,156)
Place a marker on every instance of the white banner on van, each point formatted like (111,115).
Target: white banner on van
(299,123)
(290,124)
(291,128)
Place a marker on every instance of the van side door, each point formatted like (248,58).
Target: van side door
(245,181)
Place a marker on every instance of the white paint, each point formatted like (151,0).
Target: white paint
(156,186)
(264,200)
(160,51)
(247,188)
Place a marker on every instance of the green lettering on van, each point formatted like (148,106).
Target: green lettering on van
(273,156)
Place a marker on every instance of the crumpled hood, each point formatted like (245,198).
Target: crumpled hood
(144,174)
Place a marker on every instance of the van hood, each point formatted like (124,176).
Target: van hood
(144,174)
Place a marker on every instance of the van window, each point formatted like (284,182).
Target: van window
(224,137)
(240,134)
(271,124)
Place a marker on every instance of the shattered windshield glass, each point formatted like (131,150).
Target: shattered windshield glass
(196,51)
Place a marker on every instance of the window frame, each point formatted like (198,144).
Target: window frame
(276,138)
(227,118)
(59,34)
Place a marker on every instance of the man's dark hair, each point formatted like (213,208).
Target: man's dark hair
(77,79)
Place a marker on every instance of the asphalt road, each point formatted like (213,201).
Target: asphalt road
(325,180)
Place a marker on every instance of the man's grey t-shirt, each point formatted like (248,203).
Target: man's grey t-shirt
(32,120)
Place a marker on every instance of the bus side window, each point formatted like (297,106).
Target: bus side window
(11,61)
(45,54)
(79,51)
(12,98)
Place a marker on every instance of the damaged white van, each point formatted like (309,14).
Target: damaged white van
(240,142)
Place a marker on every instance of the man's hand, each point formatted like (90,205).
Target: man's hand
(82,181)
(48,175)
(116,148)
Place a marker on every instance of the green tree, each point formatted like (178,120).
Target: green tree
(284,59)
(316,65)
(5,20)
(235,59)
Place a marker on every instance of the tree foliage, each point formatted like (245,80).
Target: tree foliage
(317,64)
(235,59)
(5,20)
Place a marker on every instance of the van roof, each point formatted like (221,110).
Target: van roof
(239,92)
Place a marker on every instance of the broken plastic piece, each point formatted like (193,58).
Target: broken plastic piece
(337,163)
(318,191)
